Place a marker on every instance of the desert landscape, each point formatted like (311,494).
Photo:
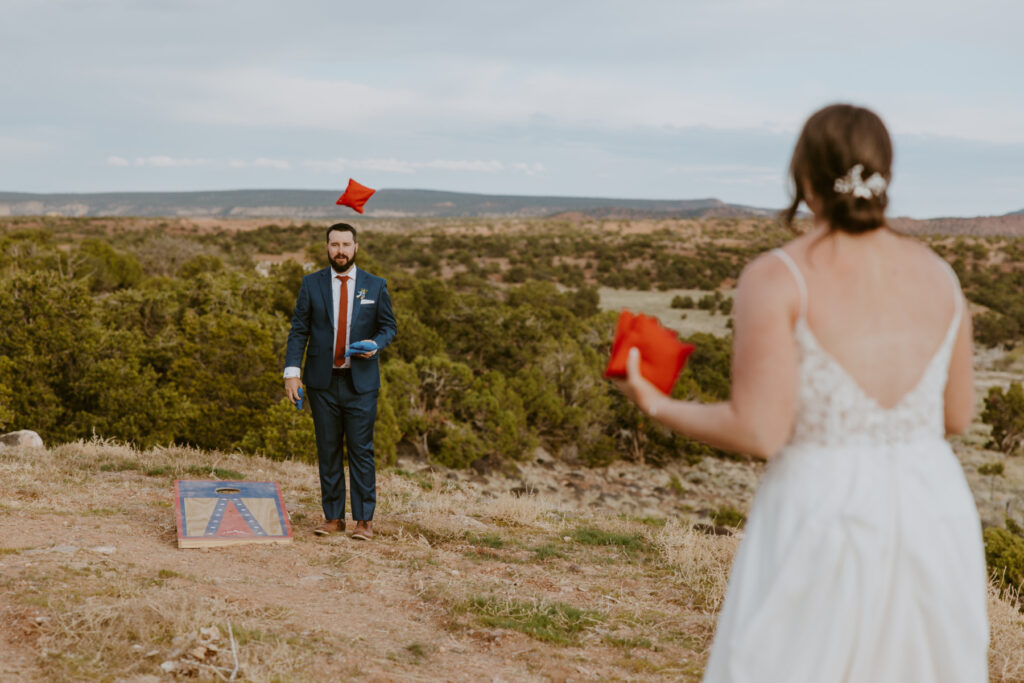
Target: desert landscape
(585,543)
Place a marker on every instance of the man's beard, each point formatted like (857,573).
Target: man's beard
(342,262)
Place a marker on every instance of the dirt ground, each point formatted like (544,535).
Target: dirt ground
(466,581)
(460,584)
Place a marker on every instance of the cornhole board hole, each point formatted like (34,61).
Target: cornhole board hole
(216,513)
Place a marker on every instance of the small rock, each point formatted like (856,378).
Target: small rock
(65,549)
(199,651)
(151,653)
(169,666)
(211,634)
(24,437)
(104,549)
(470,523)
(455,572)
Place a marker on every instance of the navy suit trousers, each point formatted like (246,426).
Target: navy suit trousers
(343,417)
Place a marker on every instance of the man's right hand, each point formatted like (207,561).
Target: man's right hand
(291,389)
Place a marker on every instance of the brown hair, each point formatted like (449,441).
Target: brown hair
(342,227)
(834,140)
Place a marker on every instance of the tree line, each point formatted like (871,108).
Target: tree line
(155,338)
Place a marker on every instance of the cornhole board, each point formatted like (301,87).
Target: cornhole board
(216,513)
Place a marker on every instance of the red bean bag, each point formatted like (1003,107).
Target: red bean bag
(662,355)
(355,196)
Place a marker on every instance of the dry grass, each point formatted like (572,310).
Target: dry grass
(1006,624)
(460,584)
(700,563)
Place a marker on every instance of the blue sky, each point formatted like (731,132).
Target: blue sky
(673,99)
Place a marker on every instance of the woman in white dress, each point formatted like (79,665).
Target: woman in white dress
(862,557)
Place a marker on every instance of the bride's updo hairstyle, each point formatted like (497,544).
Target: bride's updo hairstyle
(844,157)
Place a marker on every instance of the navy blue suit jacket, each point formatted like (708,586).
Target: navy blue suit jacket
(313,329)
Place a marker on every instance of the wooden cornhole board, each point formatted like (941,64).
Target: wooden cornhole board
(216,513)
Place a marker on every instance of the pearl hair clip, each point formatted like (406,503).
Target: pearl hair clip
(853,183)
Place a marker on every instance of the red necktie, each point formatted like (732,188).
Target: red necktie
(340,342)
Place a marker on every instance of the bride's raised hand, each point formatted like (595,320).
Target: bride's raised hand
(637,388)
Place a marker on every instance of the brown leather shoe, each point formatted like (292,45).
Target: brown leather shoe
(363,532)
(331,526)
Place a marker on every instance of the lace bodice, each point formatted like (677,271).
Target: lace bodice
(833,410)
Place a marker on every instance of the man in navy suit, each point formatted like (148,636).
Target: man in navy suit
(338,306)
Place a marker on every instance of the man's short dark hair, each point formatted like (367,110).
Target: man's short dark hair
(343,227)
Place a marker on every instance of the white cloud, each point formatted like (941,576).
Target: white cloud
(478,93)
(171,162)
(164,161)
(278,164)
(464,165)
(529,169)
(266,97)
(345,165)
(733,174)
(21,145)
(342,165)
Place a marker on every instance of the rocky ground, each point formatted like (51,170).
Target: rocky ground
(556,574)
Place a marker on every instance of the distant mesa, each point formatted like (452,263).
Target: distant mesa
(319,205)
(314,204)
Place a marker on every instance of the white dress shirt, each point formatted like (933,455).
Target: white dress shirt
(335,298)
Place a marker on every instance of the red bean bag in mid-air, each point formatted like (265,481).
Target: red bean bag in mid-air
(662,355)
(355,195)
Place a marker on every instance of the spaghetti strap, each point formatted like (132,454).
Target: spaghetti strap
(798,276)
(958,309)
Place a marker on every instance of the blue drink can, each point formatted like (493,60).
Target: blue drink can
(298,404)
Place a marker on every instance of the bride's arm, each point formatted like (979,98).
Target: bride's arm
(758,417)
(959,396)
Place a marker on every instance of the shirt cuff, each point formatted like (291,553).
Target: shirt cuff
(292,372)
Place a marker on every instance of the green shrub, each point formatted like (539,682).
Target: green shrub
(107,268)
(679,301)
(1004,412)
(993,329)
(7,379)
(459,447)
(283,433)
(729,516)
(708,303)
(1004,554)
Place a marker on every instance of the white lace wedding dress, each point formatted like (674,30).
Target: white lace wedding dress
(862,558)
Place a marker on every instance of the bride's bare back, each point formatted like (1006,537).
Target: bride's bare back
(880,304)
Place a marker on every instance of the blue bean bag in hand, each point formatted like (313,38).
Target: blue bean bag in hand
(360,347)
